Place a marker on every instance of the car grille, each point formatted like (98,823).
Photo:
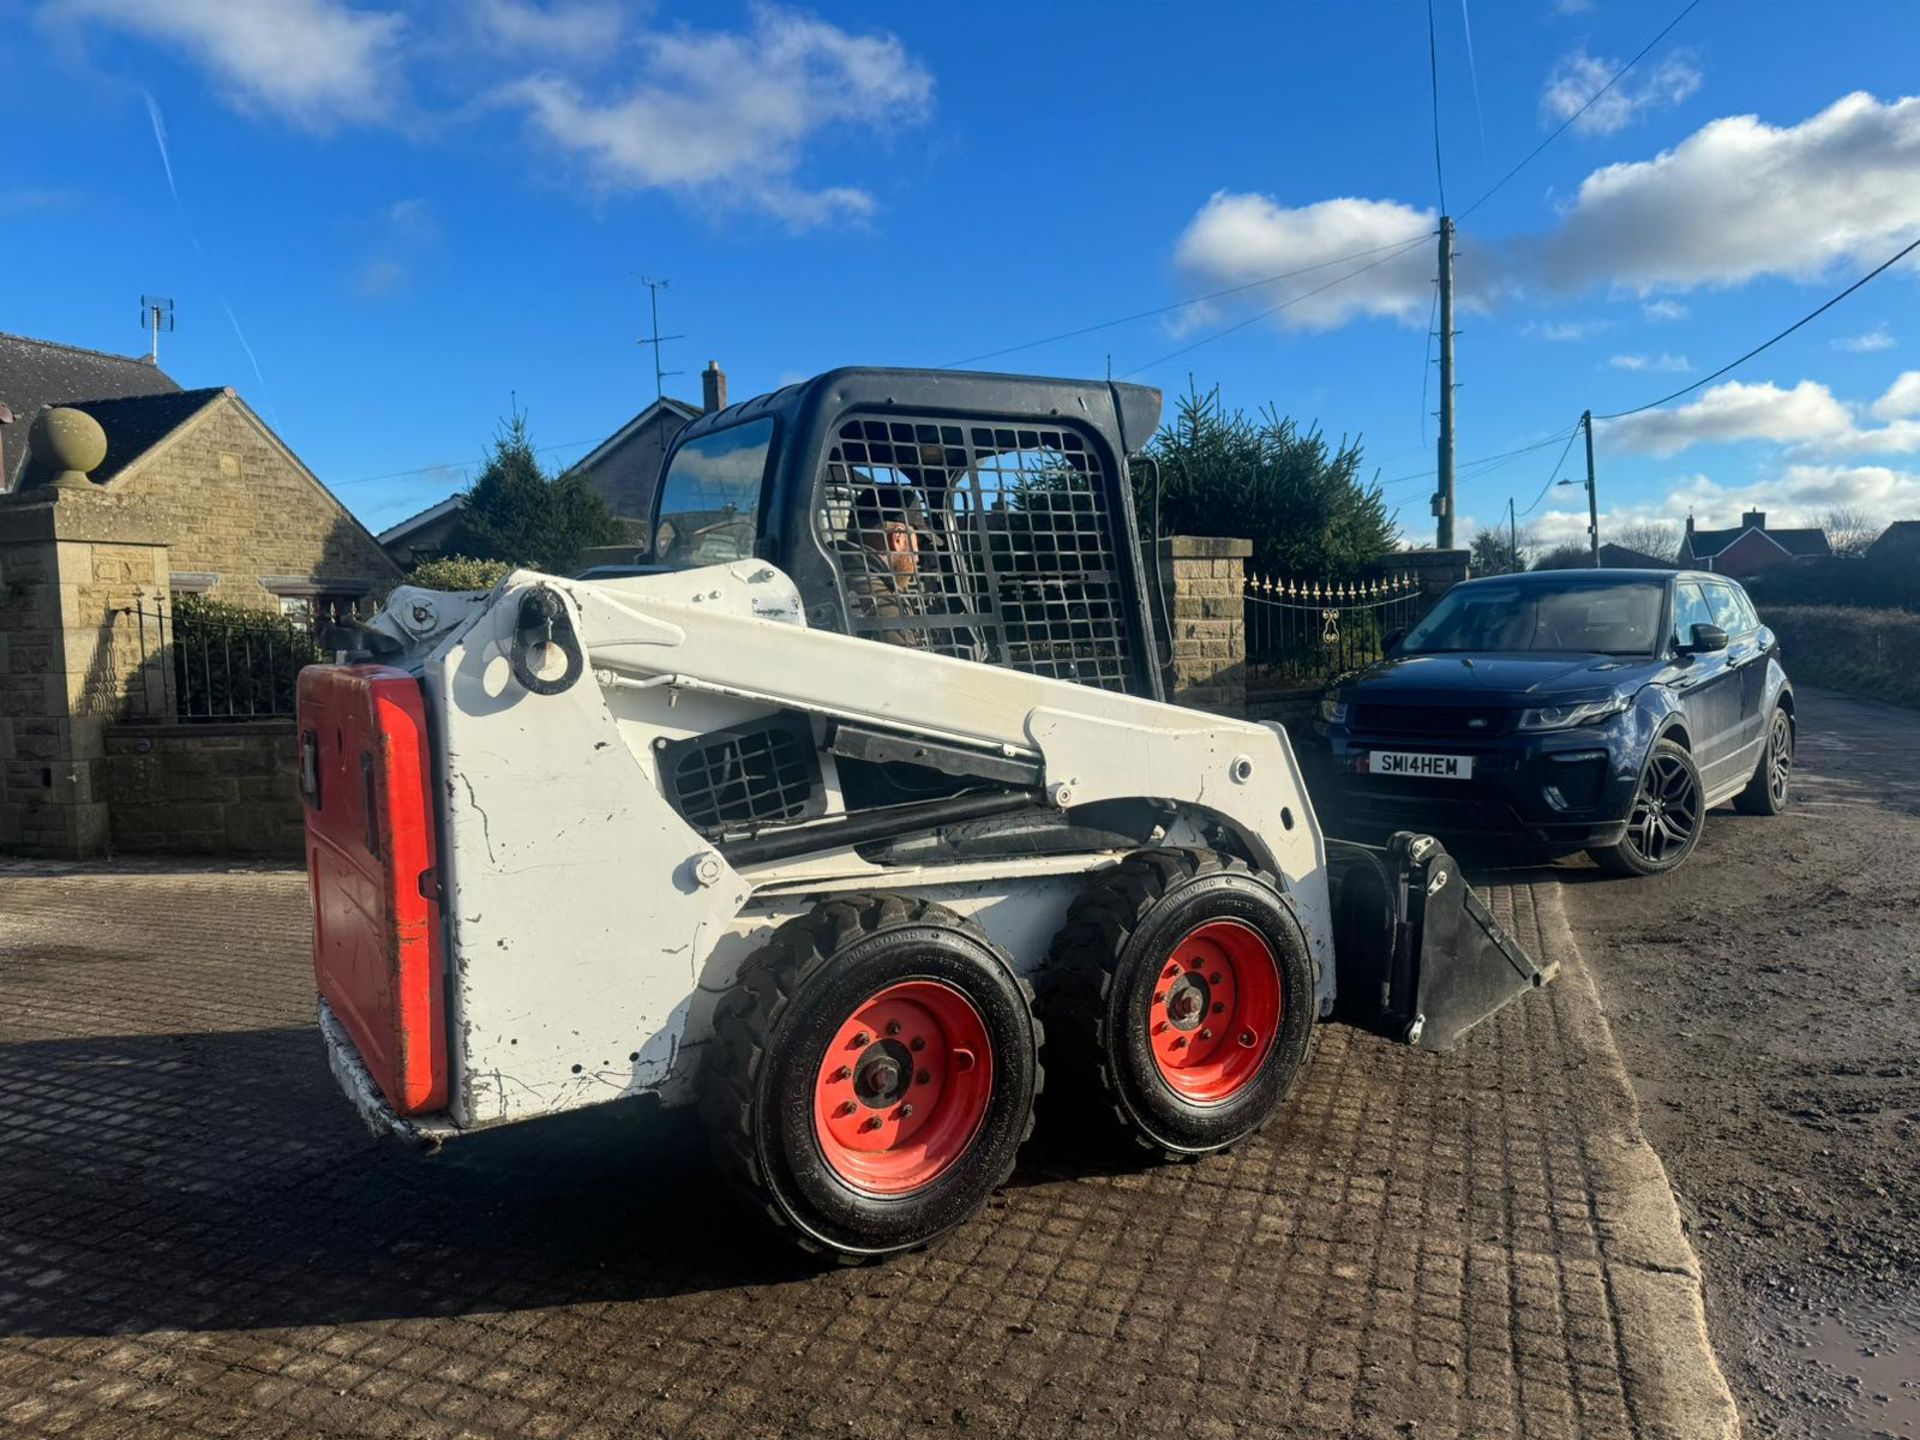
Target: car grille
(1429,720)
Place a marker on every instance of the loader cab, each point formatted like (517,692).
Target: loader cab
(983,517)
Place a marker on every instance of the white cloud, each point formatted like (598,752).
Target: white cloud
(316,63)
(1866,342)
(578,31)
(1563,331)
(1902,398)
(724,116)
(1800,495)
(1662,363)
(398,238)
(1734,412)
(1578,76)
(1661,310)
(1239,238)
(1739,199)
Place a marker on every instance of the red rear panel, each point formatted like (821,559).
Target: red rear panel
(365,773)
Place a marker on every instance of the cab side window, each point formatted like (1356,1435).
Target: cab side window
(1727,613)
(1690,608)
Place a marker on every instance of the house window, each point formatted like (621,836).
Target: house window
(297,607)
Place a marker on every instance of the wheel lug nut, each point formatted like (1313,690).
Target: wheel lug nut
(846,1108)
(863,1038)
(1214,979)
(1218,1008)
(906,1112)
(1172,970)
(843,1073)
(1181,1043)
(1159,997)
(921,1077)
(873,1123)
(893,1027)
(1206,1033)
(919,1043)
(1159,1026)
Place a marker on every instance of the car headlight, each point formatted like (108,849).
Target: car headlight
(1333,710)
(1565,717)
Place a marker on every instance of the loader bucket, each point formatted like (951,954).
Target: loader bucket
(1419,958)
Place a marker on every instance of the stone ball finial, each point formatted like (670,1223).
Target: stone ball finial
(72,443)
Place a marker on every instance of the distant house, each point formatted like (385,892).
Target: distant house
(424,536)
(1900,541)
(243,520)
(625,467)
(1619,557)
(1749,548)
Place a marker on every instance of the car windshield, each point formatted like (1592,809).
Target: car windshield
(1586,617)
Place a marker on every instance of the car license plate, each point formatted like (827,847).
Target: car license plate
(1427,767)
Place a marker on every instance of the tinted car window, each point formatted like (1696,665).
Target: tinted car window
(1749,618)
(1587,617)
(1690,608)
(1726,610)
(710,500)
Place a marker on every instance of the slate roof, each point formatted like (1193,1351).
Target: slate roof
(665,404)
(1620,557)
(1707,543)
(401,529)
(37,373)
(133,425)
(1898,538)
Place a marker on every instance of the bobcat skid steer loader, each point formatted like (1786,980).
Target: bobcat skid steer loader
(821,820)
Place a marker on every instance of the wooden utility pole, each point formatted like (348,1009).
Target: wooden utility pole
(1593,503)
(1443,506)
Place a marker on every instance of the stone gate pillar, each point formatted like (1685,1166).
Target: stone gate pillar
(1205,578)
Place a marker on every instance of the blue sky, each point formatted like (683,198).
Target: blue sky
(412,214)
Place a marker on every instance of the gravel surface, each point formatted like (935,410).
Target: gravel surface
(1766,998)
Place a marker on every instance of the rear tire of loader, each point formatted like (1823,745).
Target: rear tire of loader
(873,1074)
(1182,992)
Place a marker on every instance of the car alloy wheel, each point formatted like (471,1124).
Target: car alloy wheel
(1666,812)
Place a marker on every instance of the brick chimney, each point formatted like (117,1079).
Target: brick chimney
(713,387)
(1754,520)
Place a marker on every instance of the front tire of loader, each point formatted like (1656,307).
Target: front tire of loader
(873,1074)
(1182,991)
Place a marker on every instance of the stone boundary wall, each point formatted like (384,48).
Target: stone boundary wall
(205,789)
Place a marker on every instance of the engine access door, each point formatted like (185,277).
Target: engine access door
(377,939)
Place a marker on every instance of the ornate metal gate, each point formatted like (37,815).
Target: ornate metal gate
(1303,634)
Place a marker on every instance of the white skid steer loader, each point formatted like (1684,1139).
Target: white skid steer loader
(794,821)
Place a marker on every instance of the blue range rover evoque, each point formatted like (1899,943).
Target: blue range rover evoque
(1596,710)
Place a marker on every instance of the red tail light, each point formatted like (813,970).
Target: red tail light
(377,945)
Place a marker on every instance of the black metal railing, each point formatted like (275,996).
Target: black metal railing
(1303,634)
(193,659)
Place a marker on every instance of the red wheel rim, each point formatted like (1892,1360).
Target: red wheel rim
(903,1089)
(1216,1011)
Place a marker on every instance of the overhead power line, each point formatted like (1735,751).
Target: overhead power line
(1290,301)
(454,464)
(1592,99)
(1433,77)
(1877,270)
(1572,435)
(1177,305)
(1483,465)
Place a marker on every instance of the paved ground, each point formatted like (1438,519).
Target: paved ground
(1767,998)
(196,1238)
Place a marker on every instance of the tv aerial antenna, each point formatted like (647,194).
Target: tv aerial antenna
(656,339)
(156,314)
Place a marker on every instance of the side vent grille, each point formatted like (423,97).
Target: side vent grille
(744,776)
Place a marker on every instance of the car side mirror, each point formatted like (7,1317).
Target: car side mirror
(1707,640)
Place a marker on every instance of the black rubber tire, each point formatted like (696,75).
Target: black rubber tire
(1763,796)
(1626,858)
(1099,984)
(770,1035)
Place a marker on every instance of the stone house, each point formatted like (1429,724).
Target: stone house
(196,470)
(1750,547)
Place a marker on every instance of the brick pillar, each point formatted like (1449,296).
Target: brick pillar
(1206,579)
(68,563)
